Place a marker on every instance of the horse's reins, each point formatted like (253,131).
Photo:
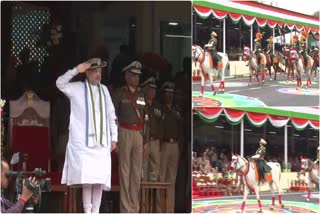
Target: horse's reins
(238,170)
(245,172)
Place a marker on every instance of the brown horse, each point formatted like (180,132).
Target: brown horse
(273,62)
(289,64)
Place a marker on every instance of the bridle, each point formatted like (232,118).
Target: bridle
(195,54)
(236,163)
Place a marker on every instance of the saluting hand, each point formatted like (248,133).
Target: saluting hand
(81,68)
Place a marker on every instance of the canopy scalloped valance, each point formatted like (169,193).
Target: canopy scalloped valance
(259,116)
(262,15)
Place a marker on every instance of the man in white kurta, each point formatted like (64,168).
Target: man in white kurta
(93,133)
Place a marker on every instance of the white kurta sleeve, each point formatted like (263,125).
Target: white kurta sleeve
(63,82)
(111,117)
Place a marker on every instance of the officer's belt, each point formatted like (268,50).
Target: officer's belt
(136,127)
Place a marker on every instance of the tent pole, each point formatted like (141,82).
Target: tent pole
(224,35)
(251,37)
(286,147)
(241,137)
(273,42)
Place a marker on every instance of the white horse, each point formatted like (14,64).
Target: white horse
(247,170)
(202,58)
(300,69)
(308,166)
(254,66)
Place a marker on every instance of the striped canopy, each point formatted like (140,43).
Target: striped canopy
(300,117)
(251,12)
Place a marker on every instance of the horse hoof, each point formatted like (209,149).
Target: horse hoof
(260,211)
(282,205)
(271,208)
(307,199)
(270,79)
(214,93)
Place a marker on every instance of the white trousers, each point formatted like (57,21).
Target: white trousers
(91,197)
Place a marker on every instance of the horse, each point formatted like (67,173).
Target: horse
(313,169)
(248,170)
(300,68)
(288,63)
(315,65)
(273,62)
(253,64)
(203,59)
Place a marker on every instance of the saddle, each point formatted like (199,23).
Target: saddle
(220,65)
(308,64)
(267,176)
(272,59)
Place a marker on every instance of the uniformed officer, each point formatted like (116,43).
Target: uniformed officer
(270,46)
(259,157)
(212,47)
(303,46)
(129,104)
(295,42)
(171,134)
(151,156)
(257,46)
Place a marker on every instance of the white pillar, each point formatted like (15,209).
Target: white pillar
(286,146)
(224,35)
(273,40)
(251,37)
(241,136)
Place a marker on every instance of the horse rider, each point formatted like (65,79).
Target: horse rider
(261,152)
(257,46)
(212,47)
(270,48)
(303,46)
(318,156)
(295,42)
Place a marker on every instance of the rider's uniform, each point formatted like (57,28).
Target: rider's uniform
(270,48)
(303,49)
(212,47)
(259,157)
(257,46)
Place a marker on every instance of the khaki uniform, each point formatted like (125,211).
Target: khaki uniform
(263,168)
(171,132)
(151,156)
(303,50)
(257,44)
(130,146)
(214,43)
(262,152)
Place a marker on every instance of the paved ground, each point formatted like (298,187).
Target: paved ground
(270,93)
(293,203)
